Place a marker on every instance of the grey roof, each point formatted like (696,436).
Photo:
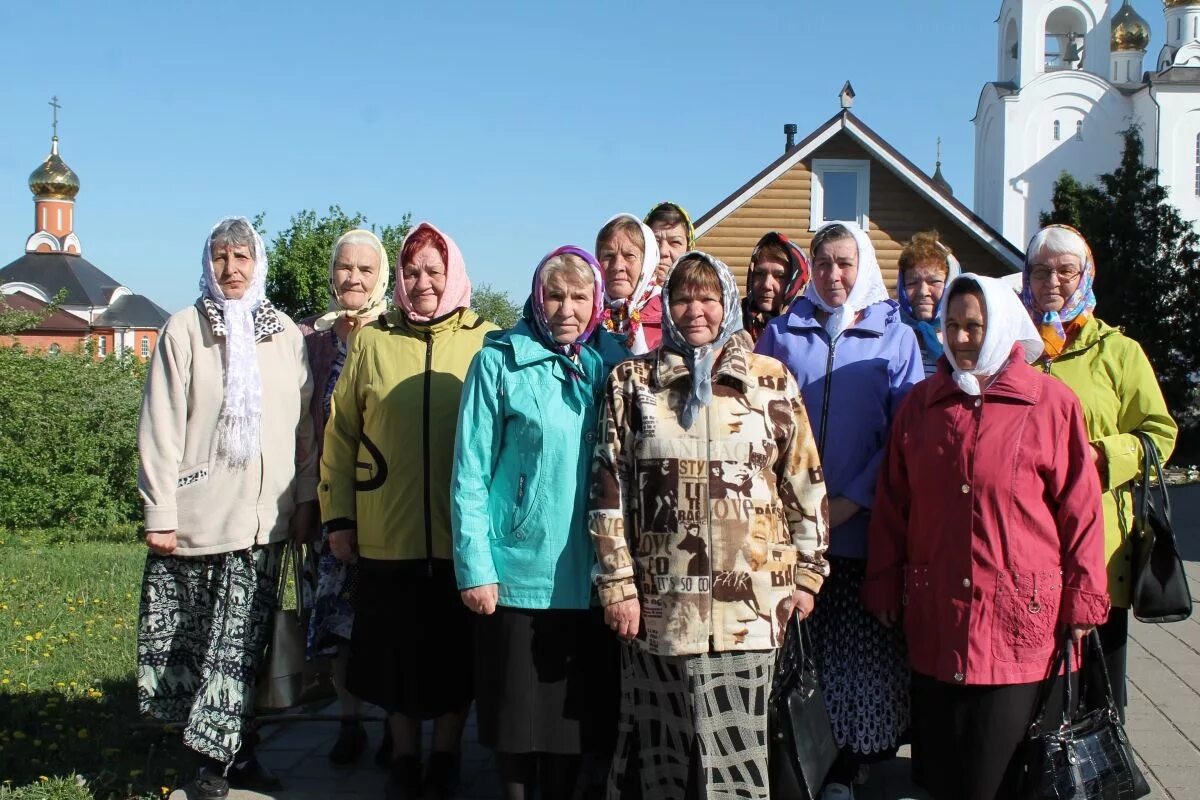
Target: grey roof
(1187,76)
(86,284)
(132,311)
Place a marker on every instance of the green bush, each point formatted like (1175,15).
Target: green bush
(68,439)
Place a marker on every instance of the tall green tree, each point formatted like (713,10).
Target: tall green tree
(493,305)
(298,256)
(1147,258)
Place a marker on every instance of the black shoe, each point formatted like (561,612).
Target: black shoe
(351,741)
(253,776)
(210,785)
(383,756)
(441,777)
(404,779)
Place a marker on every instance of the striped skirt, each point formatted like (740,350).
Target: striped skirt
(692,726)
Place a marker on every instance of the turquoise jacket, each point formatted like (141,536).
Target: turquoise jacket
(526,431)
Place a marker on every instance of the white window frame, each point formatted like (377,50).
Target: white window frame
(101,346)
(145,345)
(816,206)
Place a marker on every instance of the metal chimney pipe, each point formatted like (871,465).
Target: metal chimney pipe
(790,130)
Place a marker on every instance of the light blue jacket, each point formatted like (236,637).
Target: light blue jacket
(526,431)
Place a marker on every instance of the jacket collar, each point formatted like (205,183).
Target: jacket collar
(458,319)
(1092,333)
(734,363)
(266,319)
(528,349)
(1017,381)
(875,317)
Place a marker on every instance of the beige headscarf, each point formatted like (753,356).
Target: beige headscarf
(377,301)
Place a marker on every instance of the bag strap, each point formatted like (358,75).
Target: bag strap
(1152,467)
(1094,650)
(1061,658)
(292,561)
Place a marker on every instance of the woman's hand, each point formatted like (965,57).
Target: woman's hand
(1080,631)
(624,617)
(161,543)
(841,510)
(801,603)
(344,545)
(887,618)
(481,599)
(304,522)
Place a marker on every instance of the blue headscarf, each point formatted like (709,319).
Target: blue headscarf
(928,330)
(700,358)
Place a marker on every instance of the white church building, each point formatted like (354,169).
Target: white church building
(1071,75)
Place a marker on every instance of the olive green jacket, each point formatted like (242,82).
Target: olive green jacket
(1119,394)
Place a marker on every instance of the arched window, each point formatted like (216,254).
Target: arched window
(1057,130)
(1079,130)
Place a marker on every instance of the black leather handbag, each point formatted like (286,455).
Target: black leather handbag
(1160,587)
(801,747)
(1087,756)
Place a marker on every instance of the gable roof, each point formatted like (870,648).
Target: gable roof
(58,321)
(845,122)
(132,311)
(86,284)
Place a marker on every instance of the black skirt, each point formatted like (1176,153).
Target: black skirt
(411,647)
(547,681)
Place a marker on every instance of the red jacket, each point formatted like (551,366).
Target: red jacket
(652,321)
(987,531)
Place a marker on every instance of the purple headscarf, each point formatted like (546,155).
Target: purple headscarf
(535,309)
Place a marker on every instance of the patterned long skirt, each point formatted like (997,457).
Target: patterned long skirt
(332,603)
(204,625)
(700,719)
(864,667)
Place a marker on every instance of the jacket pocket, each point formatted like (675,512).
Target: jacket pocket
(192,476)
(1026,615)
(370,469)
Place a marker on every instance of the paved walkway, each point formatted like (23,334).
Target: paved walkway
(1163,720)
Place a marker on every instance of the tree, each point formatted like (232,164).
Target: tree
(1146,254)
(494,306)
(298,257)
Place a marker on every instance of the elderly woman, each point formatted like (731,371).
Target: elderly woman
(987,539)
(1120,395)
(357,296)
(708,518)
(521,550)
(778,273)
(628,256)
(222,483)
(385,498)
(926,267)
(854,361)
(674,234)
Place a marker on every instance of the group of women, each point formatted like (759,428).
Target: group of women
(596,525)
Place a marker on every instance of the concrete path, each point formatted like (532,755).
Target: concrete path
(1163,718)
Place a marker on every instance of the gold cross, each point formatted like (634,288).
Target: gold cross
(54,104)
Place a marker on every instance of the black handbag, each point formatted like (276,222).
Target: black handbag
(1088,756)
(801,747)
(1160,587)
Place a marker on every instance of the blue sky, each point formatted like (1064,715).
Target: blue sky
(516,127)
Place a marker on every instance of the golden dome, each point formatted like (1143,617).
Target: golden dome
(1129,31)
(1180,3)
(54,179)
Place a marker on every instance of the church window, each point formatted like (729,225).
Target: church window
(1057,130)
(840,192)
(101,346)
(145,347)
(1179,28)
(55,349)
(1198,165)
(1079,130)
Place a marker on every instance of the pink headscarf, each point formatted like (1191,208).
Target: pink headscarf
(457,293)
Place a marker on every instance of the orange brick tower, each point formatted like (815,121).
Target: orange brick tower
(54,186)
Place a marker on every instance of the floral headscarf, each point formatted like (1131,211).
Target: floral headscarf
(928,330)
(700,359)
(1056,326)
(794,282)
(376,301)
(623,316)
(535,309)
(687,219)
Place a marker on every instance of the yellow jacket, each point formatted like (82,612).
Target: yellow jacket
(389,442)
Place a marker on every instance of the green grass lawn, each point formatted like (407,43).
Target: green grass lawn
(68,702)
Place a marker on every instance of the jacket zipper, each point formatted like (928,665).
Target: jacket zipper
(425,414)
(708,523)
(825,401)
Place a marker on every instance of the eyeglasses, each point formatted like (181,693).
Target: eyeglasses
(1065,274)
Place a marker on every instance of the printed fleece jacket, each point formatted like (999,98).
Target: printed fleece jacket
(711,528)
(389,442)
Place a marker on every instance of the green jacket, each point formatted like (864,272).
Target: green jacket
(389,442)
(526,431)
(1119,394)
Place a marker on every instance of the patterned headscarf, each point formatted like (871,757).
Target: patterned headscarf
(457,293)
(535,308)
(1056,326)
(794,282)
(928,330)
(700,359)
(868,286)
(1007,324)
(687,220)
(376,300)
(623,317)
(240,425)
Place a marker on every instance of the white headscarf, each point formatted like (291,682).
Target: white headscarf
(239,429)
(868,289)
(376,301)
(1008,323)
(645,290)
